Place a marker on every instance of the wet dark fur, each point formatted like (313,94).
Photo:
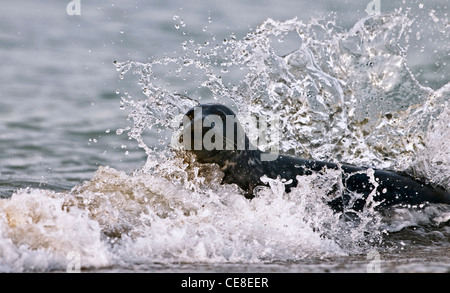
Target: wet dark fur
(245,169)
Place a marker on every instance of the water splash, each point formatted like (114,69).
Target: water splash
(340,95)
(343,95)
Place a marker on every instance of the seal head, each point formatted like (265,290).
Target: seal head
(213,133)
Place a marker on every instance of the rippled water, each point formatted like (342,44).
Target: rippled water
(89,108)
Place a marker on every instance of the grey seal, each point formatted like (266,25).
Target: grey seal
(242,165)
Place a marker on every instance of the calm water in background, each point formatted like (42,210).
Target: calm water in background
(59,110)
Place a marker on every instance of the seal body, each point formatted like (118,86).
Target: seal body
(387,187)
(242,165)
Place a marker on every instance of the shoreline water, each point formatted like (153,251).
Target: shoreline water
(63,105)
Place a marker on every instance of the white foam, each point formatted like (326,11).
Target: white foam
(335,102)
(38,233)
(123,220)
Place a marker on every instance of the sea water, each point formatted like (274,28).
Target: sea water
(91,179)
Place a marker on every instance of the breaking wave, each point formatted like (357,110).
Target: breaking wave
(341,95)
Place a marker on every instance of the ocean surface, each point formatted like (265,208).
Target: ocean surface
(90,98)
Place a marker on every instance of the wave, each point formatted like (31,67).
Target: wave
(341,95)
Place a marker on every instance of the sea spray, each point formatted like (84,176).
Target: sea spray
(341,95)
